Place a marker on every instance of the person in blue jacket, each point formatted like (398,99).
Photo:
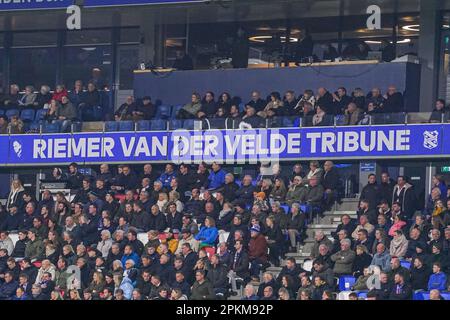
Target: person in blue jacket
(438,279)
(167,176)
(216,177)
(128,253)
(208,233)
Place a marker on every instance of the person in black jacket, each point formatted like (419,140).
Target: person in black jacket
(230,188)
(304,48)
(90,226)
(245,192)
(371,192)
(126,180)
(13,219)
(274,237)
(295,225)
(393,101)
(325,101)
(330,182)
(140,218)
(74,177)
(217,275)
(386,187)
(291,268)
(209,106)
(401,290)
(404,194)
(420,273)
(362,261)
(157,221)
(19,247)
(240,264)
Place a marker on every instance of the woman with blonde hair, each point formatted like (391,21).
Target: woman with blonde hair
(74,295)
(56,295)
(162,202)
(97,284)
(15,197)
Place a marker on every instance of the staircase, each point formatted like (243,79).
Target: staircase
(327,224)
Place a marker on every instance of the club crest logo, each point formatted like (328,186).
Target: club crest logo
(17,147)
(430,139)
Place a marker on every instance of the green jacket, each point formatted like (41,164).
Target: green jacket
(61,278)
(202,291)
(34,249)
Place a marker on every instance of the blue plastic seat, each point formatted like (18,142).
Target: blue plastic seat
(405,264)
(143,125)
(35,126)
(346,282)
(175,109)
(285,208)
(51,128)
(126,126)
(2,112)
(111,126)
(287,122)
(77,126)
(158,125)
(175,124)
(12,112)
(163,112)
(27,115)
(362,294)
(40,115)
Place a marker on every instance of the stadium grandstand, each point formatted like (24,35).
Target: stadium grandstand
(225,150)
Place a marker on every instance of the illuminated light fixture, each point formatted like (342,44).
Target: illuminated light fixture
(412,27)
(89,49)
(379,42)
(416,27)
(261,39)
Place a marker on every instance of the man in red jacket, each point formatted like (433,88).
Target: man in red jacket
(257,251)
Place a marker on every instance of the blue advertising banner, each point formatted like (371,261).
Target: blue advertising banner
(228,146)
(58,4)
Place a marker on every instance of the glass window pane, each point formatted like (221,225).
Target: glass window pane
(2,55)
(35,67)
(128,61)
(88,37)
(129,35)
(34,39)
(80,61)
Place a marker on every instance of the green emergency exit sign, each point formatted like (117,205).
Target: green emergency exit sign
(445,169)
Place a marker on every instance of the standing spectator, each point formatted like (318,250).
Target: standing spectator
(90,104)
(341,100)
(405,195)
(257,252)
(371,192)
(393,101)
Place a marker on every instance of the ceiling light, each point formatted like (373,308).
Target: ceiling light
(379,42)
(262,39)
(416,27)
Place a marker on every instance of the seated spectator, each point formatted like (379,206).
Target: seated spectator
(225,103)
(290,102)
(8,287)
(144,110)
(251,119)
(275,107)
(76,95)
(314,194)
(190,110)
(28,98)
(125,111)
(399,244)
(439,112)
(216,176)
(279,191)
(375,97)
(362,260)
(90,104)
(398,225)
(60,91)
(296,192)
(359,98)
(15,125)
(256,102)
(343,259)
(420,275)
(209,106)
(202,289)
(65,114)
(3,124)
(353,115)
(208,233)
(307,114)
(361,282)
(341,101)
(320,118)
(401,289)
(382,258)
(167,176)
(363,224)
(437,280)
(11,100)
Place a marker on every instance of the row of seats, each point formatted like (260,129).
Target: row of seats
(165,112)
(146,125)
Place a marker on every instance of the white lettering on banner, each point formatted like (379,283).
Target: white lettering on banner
(108,145)
(352,141)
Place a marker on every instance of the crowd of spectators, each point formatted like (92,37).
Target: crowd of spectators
(208,234)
